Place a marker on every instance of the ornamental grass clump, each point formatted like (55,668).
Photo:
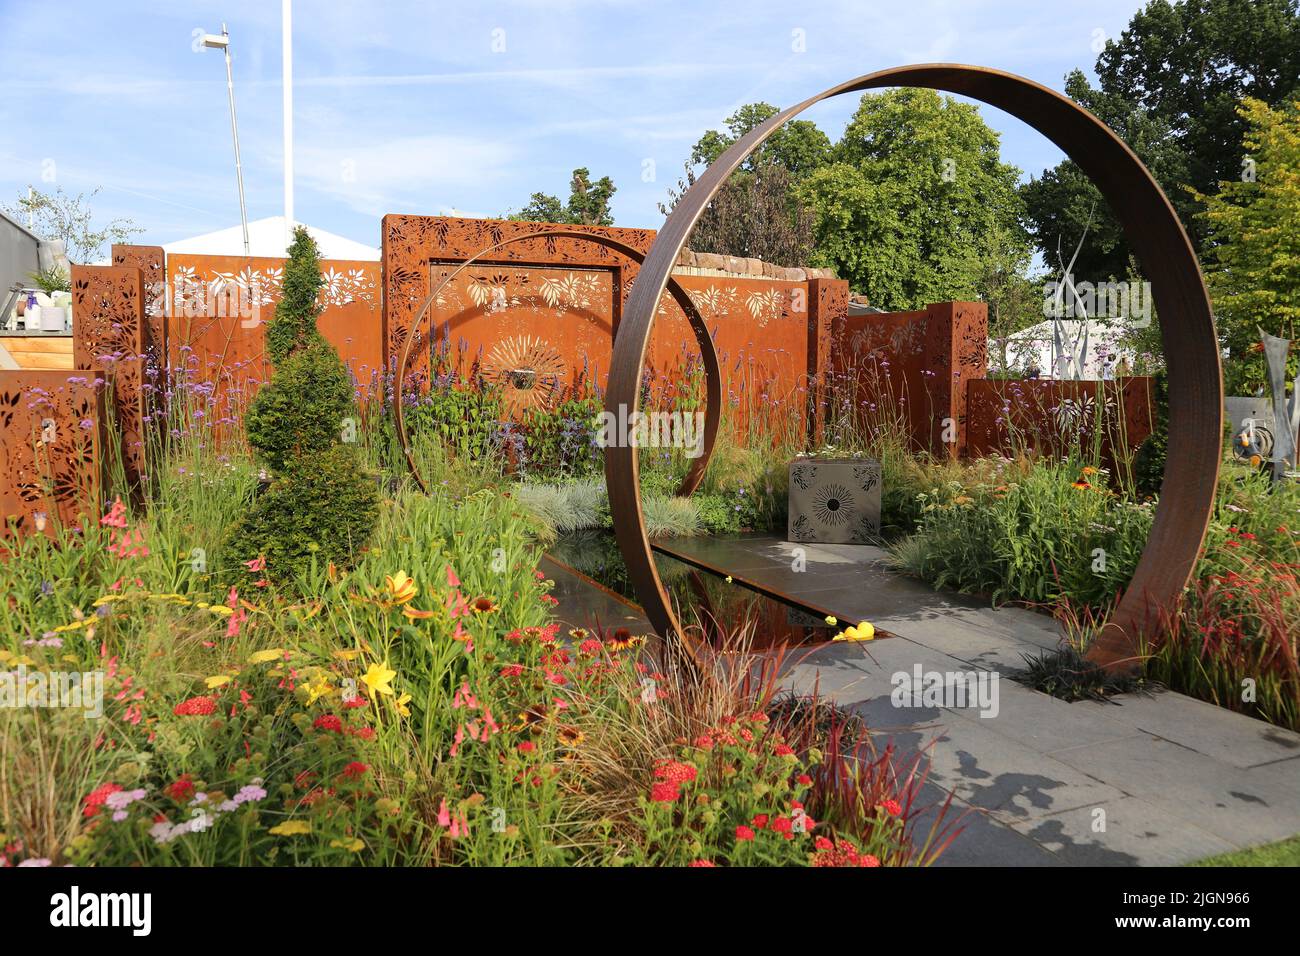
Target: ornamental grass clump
(321,506)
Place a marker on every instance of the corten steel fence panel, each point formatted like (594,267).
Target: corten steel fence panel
(111,335)
(1049,417)
(51,450)
(218,307)
(914,365)
(1166,255)
(416,336)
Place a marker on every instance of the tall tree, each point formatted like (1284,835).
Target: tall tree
(1253,223)
(1170,86)
(916,189)
(799,145)
(588,203)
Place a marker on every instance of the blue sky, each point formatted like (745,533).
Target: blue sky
(416,108)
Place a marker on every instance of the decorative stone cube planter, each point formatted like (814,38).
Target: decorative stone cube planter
(834,501)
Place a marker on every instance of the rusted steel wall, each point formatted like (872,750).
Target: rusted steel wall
(51,449)
(548,309)
(152,263)
(218,307)
(908,370)
(1047,416)
(111,335)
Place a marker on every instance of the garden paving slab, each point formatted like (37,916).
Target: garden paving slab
(1243,806)
(1180,779)
(1214,731)
(1136,834)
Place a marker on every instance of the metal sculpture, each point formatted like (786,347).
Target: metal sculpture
(709,355)
(1157,237)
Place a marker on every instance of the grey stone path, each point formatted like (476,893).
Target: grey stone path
(1175,779)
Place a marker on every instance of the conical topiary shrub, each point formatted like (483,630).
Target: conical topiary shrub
(321,505)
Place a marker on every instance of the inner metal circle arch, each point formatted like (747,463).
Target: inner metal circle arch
(708,352)
(1157,238)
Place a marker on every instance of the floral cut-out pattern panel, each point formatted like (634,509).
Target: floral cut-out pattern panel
(51,450)
(110,335)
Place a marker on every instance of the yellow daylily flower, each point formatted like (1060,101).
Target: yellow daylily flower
(291,828)
(318,688)
(378,679)
(401,703)
(400,587)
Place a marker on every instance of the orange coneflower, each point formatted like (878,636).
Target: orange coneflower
(622,639)
(571,736)
(484,605)
(1082,485)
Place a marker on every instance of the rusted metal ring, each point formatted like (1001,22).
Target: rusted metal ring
(1156,236)
(708,353)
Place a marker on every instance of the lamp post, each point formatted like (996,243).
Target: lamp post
(222,42)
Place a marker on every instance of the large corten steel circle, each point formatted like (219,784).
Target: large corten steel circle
(708,353)
(1156,236)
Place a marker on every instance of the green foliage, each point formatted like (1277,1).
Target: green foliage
(1170,86)
(59,216)
(798,147)
(53,279)
(1029,535)
(915,193)
(301,410)
(321,505)
(561,442)
(1149,462)
(465,420)
(588,203)
(1255,254)
(321,508)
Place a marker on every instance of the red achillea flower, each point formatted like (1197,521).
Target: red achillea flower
(804,780)
(869,860)
(591,647)
(95,799)
(665,792)
(356,702)
(704,742)
(328,722)
(355,770)
(304,780)
(512,670)
(703,863)
(760,821)
(181,790)
(892,807)
(195,707)
(744,833)
(822,843)
(783,825)
(676,772)
(527,747)
(783,750)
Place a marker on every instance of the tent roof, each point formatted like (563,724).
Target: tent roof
(266,237)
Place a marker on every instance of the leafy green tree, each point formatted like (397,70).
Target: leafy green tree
(1014,299)
(320,505)
(756,213)
(1169,86)
(588,203)
(58,215)
(915,190)
(1253,223)
(798,146)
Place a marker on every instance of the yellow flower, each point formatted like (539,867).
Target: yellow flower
(378,679)
(728,578)
(400,587)
(354,845)
(221,610)
(831,620)
(318,688)
(220,680)
(292,828)
(263,657)
(401,703)
(346,653)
